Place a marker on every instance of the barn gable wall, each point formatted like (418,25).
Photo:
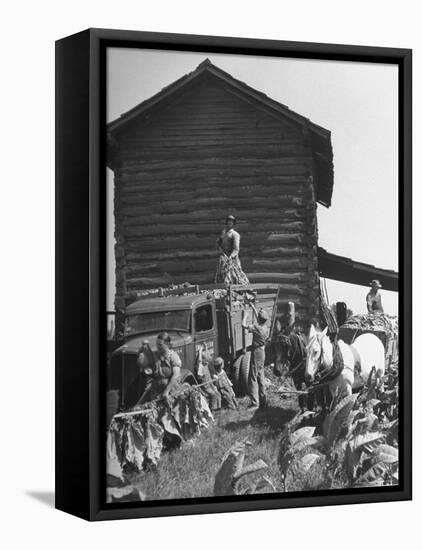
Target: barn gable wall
(180,171)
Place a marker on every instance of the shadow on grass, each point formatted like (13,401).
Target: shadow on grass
(272,419)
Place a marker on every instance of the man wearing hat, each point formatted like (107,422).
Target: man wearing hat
(229,270)
(260,332)
(373,298)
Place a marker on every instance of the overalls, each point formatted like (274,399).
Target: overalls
(256,372)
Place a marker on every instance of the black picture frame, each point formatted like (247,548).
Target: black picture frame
(80,278)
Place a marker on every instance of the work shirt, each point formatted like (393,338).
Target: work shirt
(373,302)
(229,242)
(260,334)
(165,364)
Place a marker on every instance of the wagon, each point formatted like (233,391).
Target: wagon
(384,326)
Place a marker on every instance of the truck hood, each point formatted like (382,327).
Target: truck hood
(132,345)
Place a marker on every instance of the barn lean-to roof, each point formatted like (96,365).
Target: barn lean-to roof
(319,136)
(347,270)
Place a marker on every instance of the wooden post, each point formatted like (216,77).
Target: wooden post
(341,313)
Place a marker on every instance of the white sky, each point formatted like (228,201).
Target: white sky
(357,102)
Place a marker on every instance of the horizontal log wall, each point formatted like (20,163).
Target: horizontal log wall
(182,171)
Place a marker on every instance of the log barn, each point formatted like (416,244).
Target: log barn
(205,146)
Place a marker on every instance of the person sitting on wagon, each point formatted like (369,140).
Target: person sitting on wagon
(373,298)
(223,384)
(204,377)
(165,371)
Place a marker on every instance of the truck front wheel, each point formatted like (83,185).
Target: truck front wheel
(241,374)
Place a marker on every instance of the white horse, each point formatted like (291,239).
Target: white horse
(359,358)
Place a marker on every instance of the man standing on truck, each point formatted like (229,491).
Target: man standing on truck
(165,371)
(260,333)
(229,269)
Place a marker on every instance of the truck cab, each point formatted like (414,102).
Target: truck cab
(191,322)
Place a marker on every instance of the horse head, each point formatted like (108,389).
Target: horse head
(318,352)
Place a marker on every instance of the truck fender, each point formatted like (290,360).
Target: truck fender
(187,377)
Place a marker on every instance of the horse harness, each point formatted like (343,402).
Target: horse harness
(331,372)
(297,349)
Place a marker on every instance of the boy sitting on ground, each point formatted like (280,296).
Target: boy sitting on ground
(223,384)
(204,377)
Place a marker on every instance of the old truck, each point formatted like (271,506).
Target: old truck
(193,316)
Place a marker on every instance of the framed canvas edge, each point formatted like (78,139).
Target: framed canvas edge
(101,39)
(72,300)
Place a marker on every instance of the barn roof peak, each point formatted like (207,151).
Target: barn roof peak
(320,137)
(205,63)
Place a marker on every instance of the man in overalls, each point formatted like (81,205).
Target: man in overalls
(260,332)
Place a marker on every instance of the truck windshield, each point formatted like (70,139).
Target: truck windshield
(158,321)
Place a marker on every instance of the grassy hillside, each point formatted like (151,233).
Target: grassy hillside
(189,470)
